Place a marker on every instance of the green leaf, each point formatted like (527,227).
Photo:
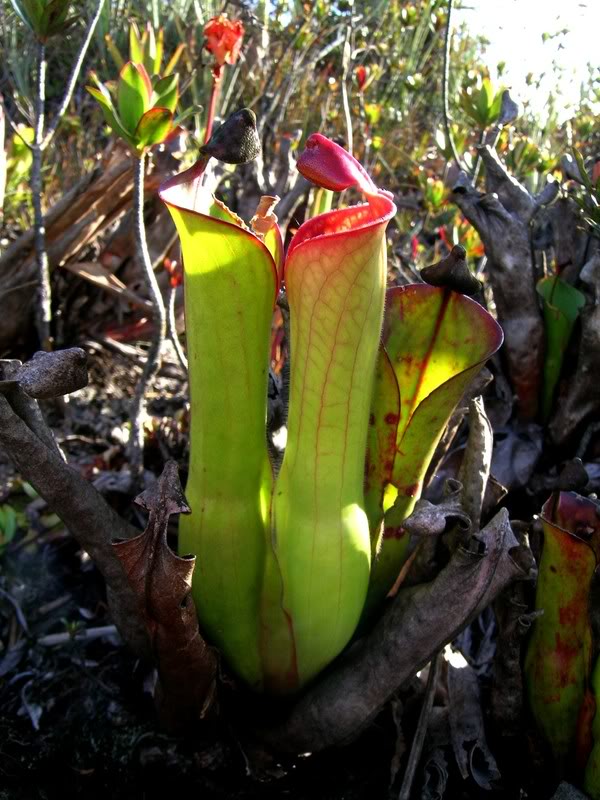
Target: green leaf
(562,304)
(322,200)
(29,11)
(558,660)
(485,98)
(114,52)
(495,107)
(436,341)
(585,178)
(136,51)
(54,17)
(173,60)
(165,93)
(230,288)
(8,524)
(149,50)
(159,52)
(102,95)
(134,91)
(153,128)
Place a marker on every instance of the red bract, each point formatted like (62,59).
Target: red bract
(175,272)
(224,39)
(361,76)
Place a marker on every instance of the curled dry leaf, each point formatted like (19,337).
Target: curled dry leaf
(162,581)
(476,463)
(435,763)
(514,624)
(432,520)
(469,743)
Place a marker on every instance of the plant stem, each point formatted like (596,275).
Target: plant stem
(43,309)
(212,105)
(76,69)
(2,157)
(346,60)
(41,140)
(445,85)
(153,358)
(477,165)
(172,330)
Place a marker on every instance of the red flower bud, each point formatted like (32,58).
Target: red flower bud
(328,165)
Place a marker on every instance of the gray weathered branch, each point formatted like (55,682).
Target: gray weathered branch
(29,443)
(502,217)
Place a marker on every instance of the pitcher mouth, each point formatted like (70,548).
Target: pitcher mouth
(345,221)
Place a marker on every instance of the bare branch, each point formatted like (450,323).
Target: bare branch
(419,738)
(502,221)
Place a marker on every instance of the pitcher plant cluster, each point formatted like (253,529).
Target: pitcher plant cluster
(294,557)
(288,563)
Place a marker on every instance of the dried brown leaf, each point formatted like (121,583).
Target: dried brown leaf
(162,581)
(93,272)
(469,743)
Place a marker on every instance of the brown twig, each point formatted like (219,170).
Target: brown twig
(346,62)
(419,738)
(74,75)
(42,138)
(43,307)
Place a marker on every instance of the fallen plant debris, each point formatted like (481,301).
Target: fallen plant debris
(162,582)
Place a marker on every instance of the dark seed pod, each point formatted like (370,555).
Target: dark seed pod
(453,273)
(236,140)
(573,476)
